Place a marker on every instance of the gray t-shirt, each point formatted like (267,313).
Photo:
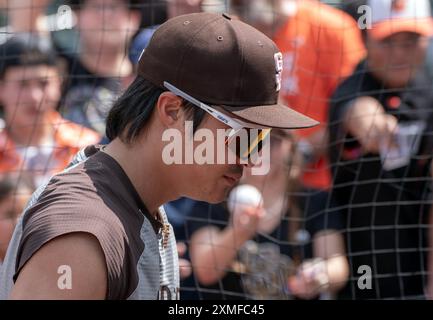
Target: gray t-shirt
(94,195)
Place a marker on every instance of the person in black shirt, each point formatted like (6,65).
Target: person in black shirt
(379,160)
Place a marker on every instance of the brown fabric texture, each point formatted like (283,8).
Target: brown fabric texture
(95,197)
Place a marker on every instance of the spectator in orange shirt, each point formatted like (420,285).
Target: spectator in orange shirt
(321,46)
(35,138)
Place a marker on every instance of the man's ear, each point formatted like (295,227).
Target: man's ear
(169,109)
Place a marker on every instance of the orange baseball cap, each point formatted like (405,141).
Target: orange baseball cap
(393,16)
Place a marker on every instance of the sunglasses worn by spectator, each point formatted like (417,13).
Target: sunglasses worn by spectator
(243,151)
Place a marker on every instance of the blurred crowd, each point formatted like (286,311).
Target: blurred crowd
(346,204)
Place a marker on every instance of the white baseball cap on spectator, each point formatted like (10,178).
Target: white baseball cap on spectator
(394,16)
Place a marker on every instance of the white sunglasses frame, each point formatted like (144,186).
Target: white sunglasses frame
(235,124)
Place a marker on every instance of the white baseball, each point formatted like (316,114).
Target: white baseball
(244,195)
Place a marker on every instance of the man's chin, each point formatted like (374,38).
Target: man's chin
(214,199)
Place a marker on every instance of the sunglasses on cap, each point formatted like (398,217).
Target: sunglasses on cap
(243,151)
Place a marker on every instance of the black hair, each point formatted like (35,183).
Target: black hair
(133,109)
(22,52)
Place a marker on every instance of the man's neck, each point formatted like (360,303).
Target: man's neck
(108,64)
(145,172)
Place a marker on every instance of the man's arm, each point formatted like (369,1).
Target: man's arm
(75,259)
(213,251)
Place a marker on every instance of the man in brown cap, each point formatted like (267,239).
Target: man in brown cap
(98,230)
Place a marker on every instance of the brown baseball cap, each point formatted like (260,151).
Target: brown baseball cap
(221,61)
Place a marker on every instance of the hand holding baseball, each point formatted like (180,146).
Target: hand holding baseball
(245,204)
